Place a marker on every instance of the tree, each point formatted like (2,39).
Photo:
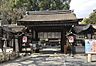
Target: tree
(9,11)
(91,19)
(66,6)
(43,5)
(12,10)
(53,5)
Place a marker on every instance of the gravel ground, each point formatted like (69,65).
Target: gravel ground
(50,60)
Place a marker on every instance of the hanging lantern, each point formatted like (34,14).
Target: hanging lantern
(71,37)
(24,39)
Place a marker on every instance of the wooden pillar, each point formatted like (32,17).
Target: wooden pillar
(33,32)
(36,35)
(14,43)
(31,28)
(20,43)
(63,40)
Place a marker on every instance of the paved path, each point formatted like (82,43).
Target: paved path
(50,50)
(50,60)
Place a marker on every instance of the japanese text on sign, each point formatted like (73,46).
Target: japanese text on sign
(90,46)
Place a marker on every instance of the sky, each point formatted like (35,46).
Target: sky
(83,8)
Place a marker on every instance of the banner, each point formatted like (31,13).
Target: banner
(90,46)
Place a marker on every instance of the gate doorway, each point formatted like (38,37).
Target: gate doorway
(50,42)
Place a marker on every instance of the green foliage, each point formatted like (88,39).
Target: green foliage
(66,6)
(35,4)
(91,19)
(53,5)
(14,9)
(9,11)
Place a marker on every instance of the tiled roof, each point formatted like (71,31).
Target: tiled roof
(84,28)
(16,28)
(49,16)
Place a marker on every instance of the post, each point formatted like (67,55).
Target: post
(63,41)
(89,58)
(14,44)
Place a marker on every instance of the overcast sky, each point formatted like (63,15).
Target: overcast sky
(83,8)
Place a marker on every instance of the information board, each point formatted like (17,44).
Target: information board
(90,46)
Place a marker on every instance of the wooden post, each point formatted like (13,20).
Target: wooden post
(89,58)
(14,43)
(63,41)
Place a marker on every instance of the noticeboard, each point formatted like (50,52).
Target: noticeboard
(90,46)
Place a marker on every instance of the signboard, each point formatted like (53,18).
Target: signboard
(24,39)
(71,39)
(90,46)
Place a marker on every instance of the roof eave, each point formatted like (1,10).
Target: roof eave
(48,20)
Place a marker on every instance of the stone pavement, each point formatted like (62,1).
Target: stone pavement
(79,60)
(50,60)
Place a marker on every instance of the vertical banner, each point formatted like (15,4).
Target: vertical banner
(90,46)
